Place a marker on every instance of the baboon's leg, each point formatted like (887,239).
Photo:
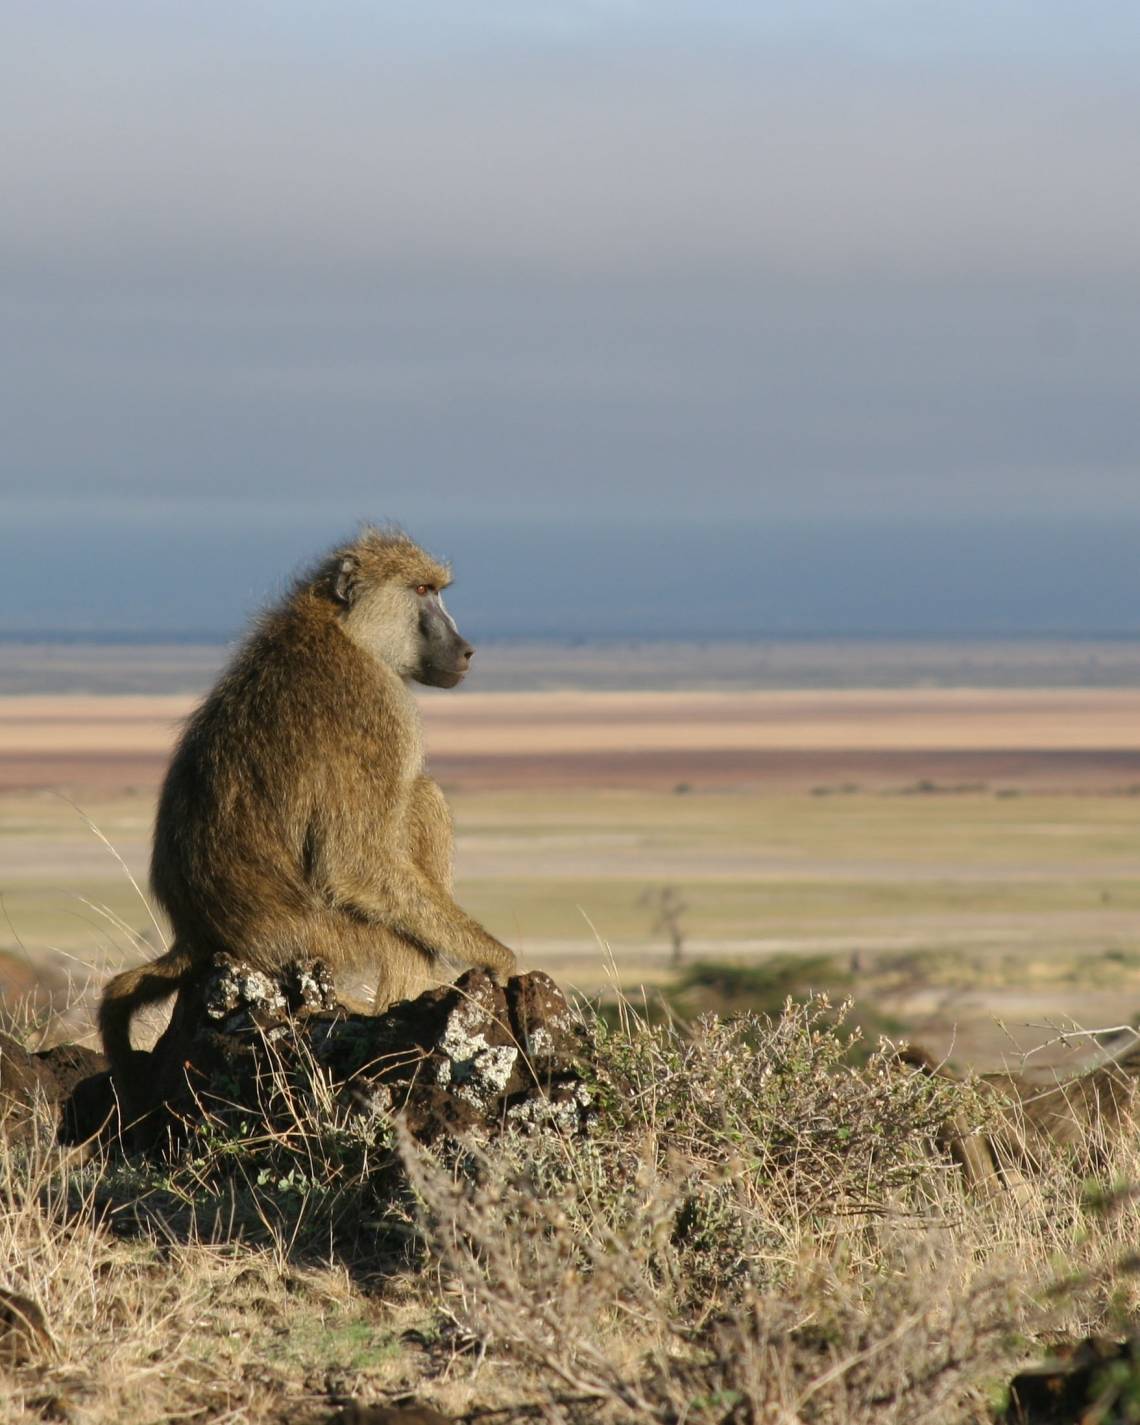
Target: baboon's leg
(431,841)
(354,950)
(404,969)
(384,886)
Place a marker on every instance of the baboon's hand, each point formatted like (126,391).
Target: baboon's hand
(504,966)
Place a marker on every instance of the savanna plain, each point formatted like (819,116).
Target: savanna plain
(764,1222)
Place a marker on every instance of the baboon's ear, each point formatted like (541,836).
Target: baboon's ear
(344,583)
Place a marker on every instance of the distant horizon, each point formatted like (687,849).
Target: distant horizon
(93,666)
(216,638)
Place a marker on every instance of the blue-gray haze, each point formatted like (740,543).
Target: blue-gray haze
(717,319)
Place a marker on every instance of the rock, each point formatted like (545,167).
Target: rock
(30,987)
(23,1330)
(462,1058)
(357,1414)
(24,1084)
(70,1064)
(466,1057)
(540,1019)
(1093,1379)
(89,1113)
(237,998)
(84,1095)
(55,1406)
(46,1079)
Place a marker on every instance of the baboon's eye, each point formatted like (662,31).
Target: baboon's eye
(422,589)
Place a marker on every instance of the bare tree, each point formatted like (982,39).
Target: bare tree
(668,906)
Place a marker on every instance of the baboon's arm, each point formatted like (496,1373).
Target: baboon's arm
(399,896)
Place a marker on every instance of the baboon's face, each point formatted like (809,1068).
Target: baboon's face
(391,597)
(444,654)
(408,628)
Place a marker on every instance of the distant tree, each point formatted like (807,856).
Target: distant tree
(668,906)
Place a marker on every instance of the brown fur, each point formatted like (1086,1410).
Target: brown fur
(295,818)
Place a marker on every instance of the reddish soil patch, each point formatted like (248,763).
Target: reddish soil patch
(87,771)
(1055,740)
(666,769)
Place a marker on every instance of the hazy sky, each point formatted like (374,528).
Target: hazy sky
(847,291)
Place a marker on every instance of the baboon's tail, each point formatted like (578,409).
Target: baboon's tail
(128,992)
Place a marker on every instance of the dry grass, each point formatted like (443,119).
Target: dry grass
(761,1232)
(758,1228)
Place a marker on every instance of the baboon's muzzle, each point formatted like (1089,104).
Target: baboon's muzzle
(446,653)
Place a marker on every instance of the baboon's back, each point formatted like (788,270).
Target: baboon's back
(281,739)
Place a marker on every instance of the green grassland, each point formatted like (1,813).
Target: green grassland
(1054,873)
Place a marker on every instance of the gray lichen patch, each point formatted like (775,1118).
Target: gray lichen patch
(313,987)
(568,1111)
(494,1066)
(235,988)
(540,1046)
(484,1078)
(463,1042)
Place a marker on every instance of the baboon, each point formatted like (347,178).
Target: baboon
(296,818)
